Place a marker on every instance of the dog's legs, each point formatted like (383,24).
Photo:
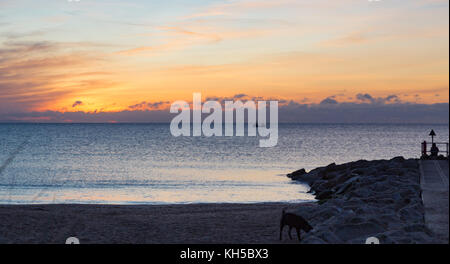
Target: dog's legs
(298,233)
(290,236)
(281,230)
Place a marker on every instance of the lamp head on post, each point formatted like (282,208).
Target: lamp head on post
(432,134)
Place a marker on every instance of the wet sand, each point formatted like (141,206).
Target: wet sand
(192,223)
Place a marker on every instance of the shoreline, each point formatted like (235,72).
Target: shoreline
(160,204)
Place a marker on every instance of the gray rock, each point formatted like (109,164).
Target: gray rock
(330,237)
(411,214)
(411,163)
(312,240)
(420,227)
(363,230)
(346,185)
(358,164)
(297,174)
(366,198)
(391,220)
(396,171)
(398,159)
(344,177)
(355,220)
(329,176)
(324,195)
(338,202)
(379,187)
(326,212)
(359,193)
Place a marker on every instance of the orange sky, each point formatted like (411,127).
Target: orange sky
(110,55)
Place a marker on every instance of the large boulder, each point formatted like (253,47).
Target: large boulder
(303,176)
(364,230)
(411,163)
(327,194)
(297,174)
(312,240)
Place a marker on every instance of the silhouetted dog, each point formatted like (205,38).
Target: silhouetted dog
(293,220)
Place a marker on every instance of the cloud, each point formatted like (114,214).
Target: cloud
(352,38)
(174,38)
(328,101)
(238,96)
(232,8)
(137,106)
(365,97)
(392,98)
(367,109)
(36,73)
(77,103)
(148,105)
(157,104)
(15,35)
(403,113)
(379,100)
(179,38)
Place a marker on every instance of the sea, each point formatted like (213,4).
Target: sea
(145,164)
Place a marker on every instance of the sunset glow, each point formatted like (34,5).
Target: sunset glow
(110,55)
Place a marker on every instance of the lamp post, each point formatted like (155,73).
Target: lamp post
(432,134)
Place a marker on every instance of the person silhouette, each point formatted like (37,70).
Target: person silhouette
(434,150)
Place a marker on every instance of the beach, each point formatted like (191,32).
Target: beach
(190,223)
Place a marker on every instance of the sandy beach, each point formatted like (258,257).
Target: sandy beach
(192,223)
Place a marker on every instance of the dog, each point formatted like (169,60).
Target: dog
(293,220)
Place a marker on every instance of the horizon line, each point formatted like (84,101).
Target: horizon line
(168,123)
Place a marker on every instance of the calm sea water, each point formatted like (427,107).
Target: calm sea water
(143,163)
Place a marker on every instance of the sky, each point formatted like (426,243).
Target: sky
(119,61)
